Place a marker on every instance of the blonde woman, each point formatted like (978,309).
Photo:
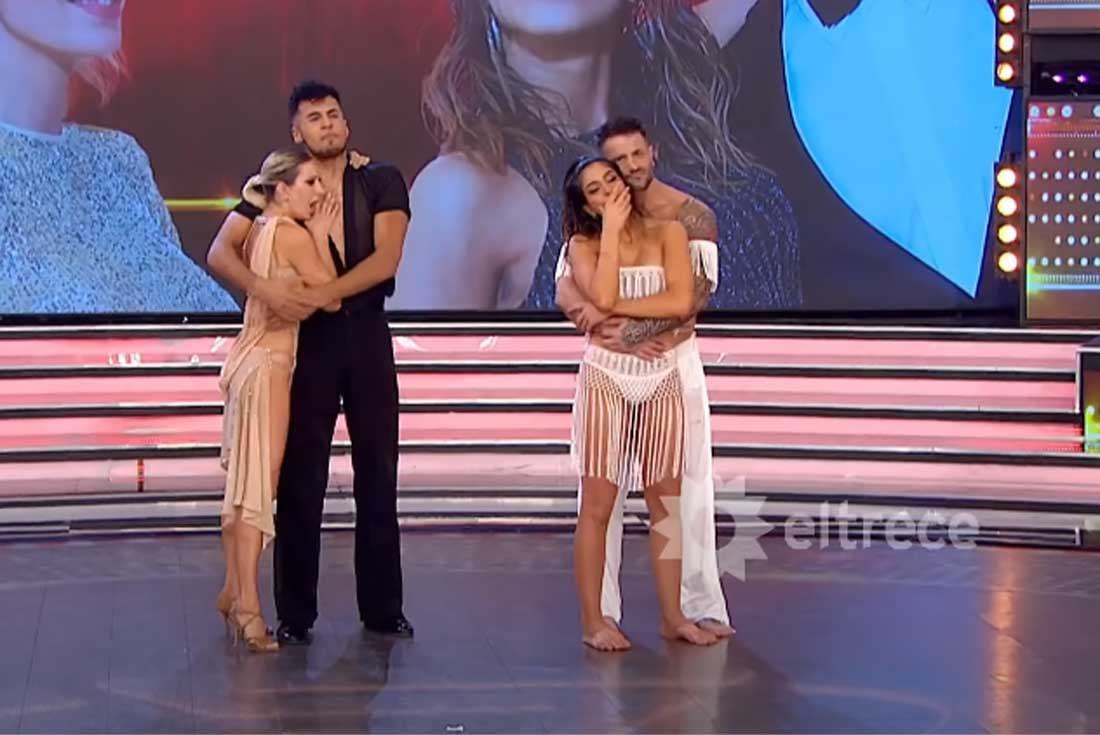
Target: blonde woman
(83,228)
(256,379)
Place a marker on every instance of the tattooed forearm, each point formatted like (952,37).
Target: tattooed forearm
(703,290)
(636,331)
(701,224)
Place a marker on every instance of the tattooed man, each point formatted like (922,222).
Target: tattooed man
(625,142)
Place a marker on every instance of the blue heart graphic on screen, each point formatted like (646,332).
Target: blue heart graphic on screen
(896,106)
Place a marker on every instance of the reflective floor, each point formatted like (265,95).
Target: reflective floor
(120,635)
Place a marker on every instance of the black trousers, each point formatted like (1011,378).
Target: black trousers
(346,355)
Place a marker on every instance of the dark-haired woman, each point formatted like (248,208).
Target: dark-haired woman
(628,420)
(519,91)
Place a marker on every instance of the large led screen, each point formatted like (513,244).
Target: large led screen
(846,146)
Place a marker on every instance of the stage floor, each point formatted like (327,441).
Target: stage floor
(120,635)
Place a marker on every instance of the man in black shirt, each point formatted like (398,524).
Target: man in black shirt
(347,357)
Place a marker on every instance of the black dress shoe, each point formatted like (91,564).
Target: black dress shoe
(290,636)
(398,626)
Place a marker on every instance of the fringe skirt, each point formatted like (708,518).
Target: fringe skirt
(628,419)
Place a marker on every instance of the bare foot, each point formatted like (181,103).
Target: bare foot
(610,621)
(604,637)
(721,630)
(689,632)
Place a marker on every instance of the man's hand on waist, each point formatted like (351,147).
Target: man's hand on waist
(287,297)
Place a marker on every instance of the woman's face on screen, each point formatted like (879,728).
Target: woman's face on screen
(547,18)
(66,30)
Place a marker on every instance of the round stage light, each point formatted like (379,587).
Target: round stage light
(1007,206)
(1008,262)
(1006,72)
(1008,234)
(1007,13)
(1006,43)
(1007,177)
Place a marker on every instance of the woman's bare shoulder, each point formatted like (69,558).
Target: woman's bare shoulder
(457,204)
(673,231)
(457,182)
(583,243)
(291,236)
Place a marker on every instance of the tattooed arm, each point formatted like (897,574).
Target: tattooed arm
(636,331)
(701,224)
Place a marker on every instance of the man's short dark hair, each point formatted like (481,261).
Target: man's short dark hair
(620,126)
(311,91)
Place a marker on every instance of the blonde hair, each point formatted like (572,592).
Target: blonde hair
(103,74)
(281,165)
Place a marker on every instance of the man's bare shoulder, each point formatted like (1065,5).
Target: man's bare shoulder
(698,219)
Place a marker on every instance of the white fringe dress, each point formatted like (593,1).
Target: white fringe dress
(637,422)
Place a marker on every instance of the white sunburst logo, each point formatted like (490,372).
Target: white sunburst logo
(732,501)
(849,528)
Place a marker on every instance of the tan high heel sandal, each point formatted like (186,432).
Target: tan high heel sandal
(262,643)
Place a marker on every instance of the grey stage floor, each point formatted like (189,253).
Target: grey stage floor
(120,635)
